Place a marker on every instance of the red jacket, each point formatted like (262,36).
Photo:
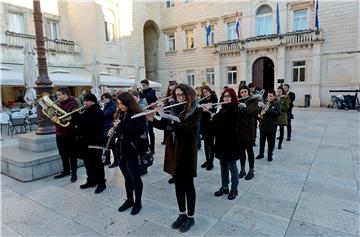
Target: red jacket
(68,105)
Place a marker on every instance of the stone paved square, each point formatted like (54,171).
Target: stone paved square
(310,189)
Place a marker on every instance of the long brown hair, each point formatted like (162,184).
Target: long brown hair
(128,100)
(206,87)
(168,91)
(189,94)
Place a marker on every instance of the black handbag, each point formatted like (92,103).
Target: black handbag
(146,160)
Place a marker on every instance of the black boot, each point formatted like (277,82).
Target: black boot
(186,225)
(100,188)
(250,174)
(171,181)
(126,205)
(209,166)
(62,174)
(136,208)
(73,178)
(87,185)
(221,191)
(204,164)
(233,193)
(242,173)
(270,158)
(260,156)
(176,224)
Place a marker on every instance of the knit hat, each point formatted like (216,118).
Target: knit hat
(90,97)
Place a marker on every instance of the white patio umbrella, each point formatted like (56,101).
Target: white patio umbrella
(95,78)
(29,73)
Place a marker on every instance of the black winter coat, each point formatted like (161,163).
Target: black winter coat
(90,126)
(206,124)
(109,111)
(149,94)
(247,119)
(181,147)
(226,133)
(269,122)
(128,132)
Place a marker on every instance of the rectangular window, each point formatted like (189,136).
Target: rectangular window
(170,3)
(231,71)
(300,20)
(210,76)
(190,76)
(171,42)
(52,30)
(231,31)
(16,22)
(109,31)
(264,24)
(189,39)
(211,36)
(187,1)
(299,71)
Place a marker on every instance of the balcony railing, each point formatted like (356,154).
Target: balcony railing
(291,38)
(13,39)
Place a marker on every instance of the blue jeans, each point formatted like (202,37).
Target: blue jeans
(225,167)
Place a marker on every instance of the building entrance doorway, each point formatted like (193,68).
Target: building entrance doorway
(263,73)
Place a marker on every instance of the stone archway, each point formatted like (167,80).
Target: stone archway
(151,42)
(263,73)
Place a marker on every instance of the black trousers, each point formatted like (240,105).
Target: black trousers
(289,116)
(93,165)
(209,147)
(151,136)
(247,147)
(67,150)
(185,194)
(281,137)
(270,137)
(133,184)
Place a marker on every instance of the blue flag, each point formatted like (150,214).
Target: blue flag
(208,32)
(317,15)
(277,19)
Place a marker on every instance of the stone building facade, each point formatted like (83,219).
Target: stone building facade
(168,40)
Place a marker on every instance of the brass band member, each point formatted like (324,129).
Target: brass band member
(268,125)
(91,129)
(183,158)
(65,136)
(290,115)
(109,111)
(128,132)
(227,143)
(246,127)
(283,100)
(208,132)
(150,95)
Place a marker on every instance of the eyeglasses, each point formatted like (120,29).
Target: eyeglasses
(179,95)
(228,96)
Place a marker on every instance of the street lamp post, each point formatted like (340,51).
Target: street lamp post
(43,82)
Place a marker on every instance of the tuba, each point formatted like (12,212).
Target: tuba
(51,110)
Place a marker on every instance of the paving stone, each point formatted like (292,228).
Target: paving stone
(225,228)
(338,214)
(152,229)
(300,228)
(257,221)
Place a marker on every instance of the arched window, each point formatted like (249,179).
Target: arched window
(110,21)
(264,22)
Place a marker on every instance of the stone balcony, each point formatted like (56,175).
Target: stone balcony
(305,37)
(18,40)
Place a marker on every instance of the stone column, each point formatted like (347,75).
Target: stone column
(243,66)
(316,75)
(218,80)
(280,64)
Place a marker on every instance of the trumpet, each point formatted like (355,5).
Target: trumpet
(264,110)
(153,111)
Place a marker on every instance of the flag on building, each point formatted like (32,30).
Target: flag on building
(208,32)
(277,19)
(237,25)
(317,16)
